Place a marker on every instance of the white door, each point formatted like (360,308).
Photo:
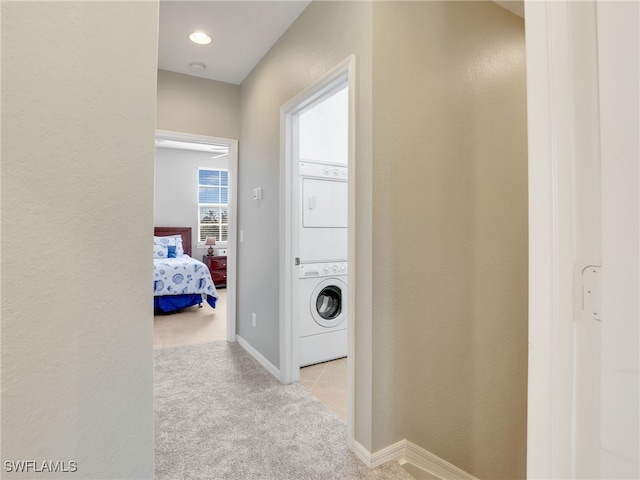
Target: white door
(619,94)
(582,83)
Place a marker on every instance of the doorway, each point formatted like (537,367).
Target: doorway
(317,244)
(210,152)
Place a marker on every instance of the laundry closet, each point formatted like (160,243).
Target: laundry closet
(323,192)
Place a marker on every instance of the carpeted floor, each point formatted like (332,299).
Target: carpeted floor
(220,415)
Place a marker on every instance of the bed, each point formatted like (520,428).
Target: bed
(179,281)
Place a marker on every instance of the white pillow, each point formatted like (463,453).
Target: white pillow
(164,241)
(160,251)
(170,240)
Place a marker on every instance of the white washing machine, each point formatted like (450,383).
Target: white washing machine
(322,312)
(324,195)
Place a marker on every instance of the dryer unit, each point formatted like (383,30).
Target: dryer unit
(323,212)
(322,312)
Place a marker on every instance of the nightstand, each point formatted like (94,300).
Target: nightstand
(217,265)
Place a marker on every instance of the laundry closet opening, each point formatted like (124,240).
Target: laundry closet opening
(317,157)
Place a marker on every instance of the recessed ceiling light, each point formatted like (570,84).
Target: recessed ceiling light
(198,66)
(200,38)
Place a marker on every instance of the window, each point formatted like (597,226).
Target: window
(213,204)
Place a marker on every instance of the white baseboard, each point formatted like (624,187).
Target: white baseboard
(269,367)
(405,451)
(362,453)
(429,462)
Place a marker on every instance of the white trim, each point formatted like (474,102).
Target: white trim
(192,137)
(233,212)
(560,52)
(232,243)
(550,290)
(289,372)
(361,452)
(431,463)
(289,365)
(268,366)
(619,81)
(352,73)
(405,451)
(387,454)
(396,452)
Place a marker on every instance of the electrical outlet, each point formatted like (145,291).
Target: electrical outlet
(253,319)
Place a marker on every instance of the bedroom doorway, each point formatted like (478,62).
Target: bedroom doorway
(181,159)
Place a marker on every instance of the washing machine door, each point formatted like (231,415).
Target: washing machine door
(329,303)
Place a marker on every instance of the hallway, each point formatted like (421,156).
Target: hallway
(220,415)
(194,326)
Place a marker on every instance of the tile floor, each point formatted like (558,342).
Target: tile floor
(327,381)
(192,326)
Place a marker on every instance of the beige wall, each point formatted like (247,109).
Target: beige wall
(450,223)
(325,34)
(441,346)
(196,105)
(78,120)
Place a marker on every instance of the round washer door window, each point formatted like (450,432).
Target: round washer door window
(328,303)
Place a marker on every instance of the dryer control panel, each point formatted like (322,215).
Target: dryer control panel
(335,172)
(316,270)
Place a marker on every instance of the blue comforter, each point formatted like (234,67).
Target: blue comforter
(181,275)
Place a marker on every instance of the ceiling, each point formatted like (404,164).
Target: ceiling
(242,33)
(514,6)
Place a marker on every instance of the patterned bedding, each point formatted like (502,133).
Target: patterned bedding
(181,275)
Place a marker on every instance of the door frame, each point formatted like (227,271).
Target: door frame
(345,71)
(561,241)
(233,214)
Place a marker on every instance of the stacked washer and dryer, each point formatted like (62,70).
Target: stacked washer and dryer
(322,152)
(323,265)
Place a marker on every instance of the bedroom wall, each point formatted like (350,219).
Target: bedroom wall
(176,189)
(322,36)
(450,216)
(76,217)
(197,105)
